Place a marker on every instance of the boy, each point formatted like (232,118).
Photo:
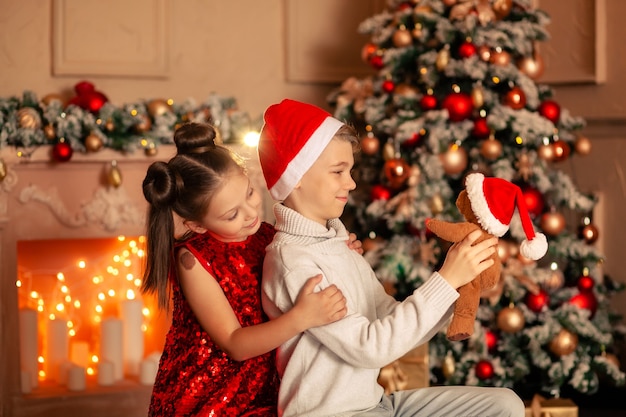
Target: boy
(306,156)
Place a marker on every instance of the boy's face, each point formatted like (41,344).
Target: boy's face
(322,193)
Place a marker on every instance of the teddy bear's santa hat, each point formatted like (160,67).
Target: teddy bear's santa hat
(493,202)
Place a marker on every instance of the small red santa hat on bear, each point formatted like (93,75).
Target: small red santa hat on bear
(293,136)
(493,201)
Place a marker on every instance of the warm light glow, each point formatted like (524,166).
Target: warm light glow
(72,332)
(132,244)
(554,266)
(130,294)
(64,289)
(97,319)
(70,324)
(68,299)
(145,311)
(125,253)
(94,358)
(519,140)
(251,139)
(51,316)
(111,292)
(42,375)
(129,277)
(140,253)
(96,280)
(61,277)
(76,303)
(99,309)
(101,296)
(121,238)
(137,282)
(82,264)
(60,307)
(34,294)
(90,371)
(18,283)
(496,80)
(40,359)
(144,328)
(127,263)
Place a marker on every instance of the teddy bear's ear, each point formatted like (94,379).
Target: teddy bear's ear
(464,206)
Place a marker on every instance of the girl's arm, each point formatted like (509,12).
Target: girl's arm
(215,314)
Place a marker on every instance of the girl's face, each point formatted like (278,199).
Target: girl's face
(323,191)
(233,212)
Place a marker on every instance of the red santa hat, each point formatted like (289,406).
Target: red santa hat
(293,136)
(493,201)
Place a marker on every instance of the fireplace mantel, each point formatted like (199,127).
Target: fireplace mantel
(40,199)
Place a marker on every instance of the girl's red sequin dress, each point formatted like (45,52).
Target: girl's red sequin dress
(195,377)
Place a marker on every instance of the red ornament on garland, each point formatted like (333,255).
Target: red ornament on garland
(397,171)
(377,62)
(561,150)
(380,192)
(537,301)
(551,110)
(515,98)
(412,141)
(369,49)
(533,199)
(388,86)
(62,151)
(484,369)
(428,102)
(459,106)
(585,300)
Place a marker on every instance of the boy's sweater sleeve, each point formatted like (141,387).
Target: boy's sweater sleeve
(366,339)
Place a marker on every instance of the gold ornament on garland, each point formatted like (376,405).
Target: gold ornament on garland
(564,343)
(115,175)
(582,146)
(158,107)
(150,149)
(552,222)
(402,37)
(448,366)
(93,143)
(545,151)
(50,132)
(502,8)
(491,149)
(454,160)
(532,66)
(28,118)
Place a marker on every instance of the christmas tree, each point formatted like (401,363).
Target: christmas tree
(455,90)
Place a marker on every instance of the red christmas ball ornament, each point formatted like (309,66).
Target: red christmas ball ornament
(397,171)
(370,145)
(491,340)
(467,49)
(377,62)
(585,300)
(533,199)
(484,369)
(94,101)
(428,102)
(62,151)
(481,129)
(515,98)
(561,150)
(537,301)
(380,192)
(585,283)
(551,110)
(413,140)
(459,106)
(83,88)
(388,86)
(368,51)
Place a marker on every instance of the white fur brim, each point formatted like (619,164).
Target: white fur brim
(536,248)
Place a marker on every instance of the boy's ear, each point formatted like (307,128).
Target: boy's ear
(195,226)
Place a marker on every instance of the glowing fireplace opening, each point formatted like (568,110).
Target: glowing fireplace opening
(82,319)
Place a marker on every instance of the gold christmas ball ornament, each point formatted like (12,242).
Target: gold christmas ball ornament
(503,250)
(448,366)
(370,145)
(552,223)
(115,175)
(589,233)
(502,8)
(554,281)
(144,124)
(402,37)
(49,98)
(532,66)
(158,107)
(436,204)
(510,319)
(93,143)
(28,118)
(582,146)
(478,97)
(150,150)
(491,149)
(389,151)
(50,132)
(546,152)
(500,57)
(3,170)
(443,58)
(564,343)
(454,160)
(109,125)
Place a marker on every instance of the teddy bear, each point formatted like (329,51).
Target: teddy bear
(488,204)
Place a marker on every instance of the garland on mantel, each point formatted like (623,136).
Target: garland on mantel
(88,122)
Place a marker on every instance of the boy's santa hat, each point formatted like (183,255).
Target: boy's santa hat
(293,136)
(493,201)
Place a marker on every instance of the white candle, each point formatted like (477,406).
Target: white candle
(148,371)
(132,318)
(28,344)
(79,353)
(76,378)
(25,382)
(111,345)
(106,373)
(57,346)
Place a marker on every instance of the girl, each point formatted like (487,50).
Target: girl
(217,359)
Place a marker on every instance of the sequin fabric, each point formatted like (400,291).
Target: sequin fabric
(195,377)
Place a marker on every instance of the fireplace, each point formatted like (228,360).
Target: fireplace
(73,214)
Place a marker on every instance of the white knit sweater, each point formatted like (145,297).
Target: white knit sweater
(332,370)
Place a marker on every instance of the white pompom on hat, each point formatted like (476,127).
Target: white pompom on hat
(293,136)
(493,202)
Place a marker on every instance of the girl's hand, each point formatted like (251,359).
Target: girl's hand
(465,260)
(318,308)
(355,244)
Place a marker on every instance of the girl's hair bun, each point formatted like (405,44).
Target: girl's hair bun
(159,185)
(194,138)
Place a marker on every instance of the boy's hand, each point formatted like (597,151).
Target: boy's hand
(465,260)
(321,307)
(355,244)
